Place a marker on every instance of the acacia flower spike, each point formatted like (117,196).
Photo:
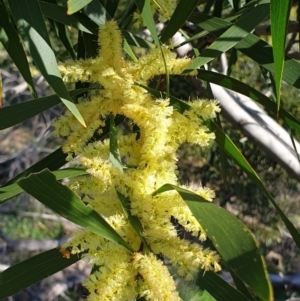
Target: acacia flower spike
(151,162)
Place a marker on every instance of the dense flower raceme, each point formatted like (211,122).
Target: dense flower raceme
(150,162)
(164,8)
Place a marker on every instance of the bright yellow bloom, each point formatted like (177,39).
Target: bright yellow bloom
(158,284)
(149,160)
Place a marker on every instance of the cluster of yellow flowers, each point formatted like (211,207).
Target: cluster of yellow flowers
(164,8)
(150,162)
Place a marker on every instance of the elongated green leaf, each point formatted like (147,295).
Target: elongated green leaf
(240,285)
(77,20)
(136,41)
(255,48)
(240,87)
(114,154)
(90,45)
(231,150)
(183,10)
(279,19)
(233,35)
(33,270)
(146,14)
(129,51)
(17,113)
(231,238)
(53,161)
(12,190)
(134,221)
(218,288)
(62,200)
(261,52)
(63,35)
(76,5)
(31,26)
(96,12)
(110,6)
(11,42)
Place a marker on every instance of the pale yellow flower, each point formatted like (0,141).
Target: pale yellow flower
(157,278)
(149,161)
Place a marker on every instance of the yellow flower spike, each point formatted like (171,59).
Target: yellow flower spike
(157,277)
(110,42)
(149,159)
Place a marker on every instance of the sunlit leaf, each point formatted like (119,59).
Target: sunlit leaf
(146,14)
(31,26)
(96,12)
(76,5)
(255,48)
(233,35)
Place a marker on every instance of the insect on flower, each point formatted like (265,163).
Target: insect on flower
(65,253)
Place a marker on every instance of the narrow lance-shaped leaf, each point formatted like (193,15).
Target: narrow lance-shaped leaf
(96,12)
(53,161)
(232,35)
(231,238)
(14,114)
(31,26)
(146,14)
(255,48)
(33,270)
(76,5)
(218,288)
(62,200)
(114,154)
(279,20)
(129,51)
(111,6)
(183,10)
(12,44)
(231,150)
(134,221)
(136,41)
(240,87)
(77,20)
(14,189)
(63,35)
